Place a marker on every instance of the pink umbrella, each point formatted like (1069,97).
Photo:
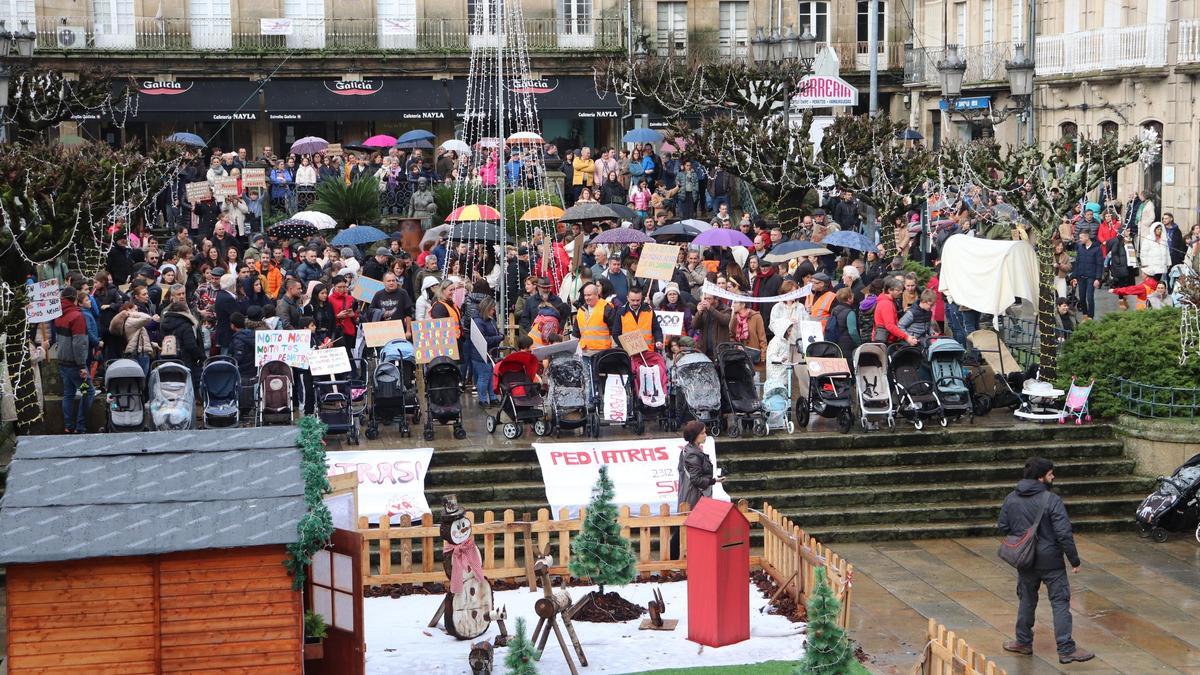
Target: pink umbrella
(380,141)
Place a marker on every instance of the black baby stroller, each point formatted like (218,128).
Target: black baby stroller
(613,398)
(735,363)
(695,392)
(220,392)
(520,397)
(335,408)
(916,396)
(394,391)
(945,357)
(123,384)
(442,401)
(275,393)
(830,386)
(1174,506)
(567,394)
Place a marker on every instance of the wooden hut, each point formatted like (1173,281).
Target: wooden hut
(153,553)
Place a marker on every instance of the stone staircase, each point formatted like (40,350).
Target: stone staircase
(903,485)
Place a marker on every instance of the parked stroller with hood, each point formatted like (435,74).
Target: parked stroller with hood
(875,402)
(443,404)
(336,408)
(520,397)
(394,397)
(696,392)
(945,357)
(650,386)
(614,402)
(124,382)
(220,389)
(275,393)
(999,375)
(735,363)
(1174,506)
(172,399)
(917,398)
(566,379)
(829,386)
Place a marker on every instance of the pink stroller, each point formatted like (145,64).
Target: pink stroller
(1077,403)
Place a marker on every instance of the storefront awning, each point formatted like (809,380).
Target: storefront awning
(197,101)
(381,99)
(558,97)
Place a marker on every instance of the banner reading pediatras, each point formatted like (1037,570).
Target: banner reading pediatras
(643,471)
(390,482)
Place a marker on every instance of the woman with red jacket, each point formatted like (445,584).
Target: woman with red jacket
(886,317)
(345,316)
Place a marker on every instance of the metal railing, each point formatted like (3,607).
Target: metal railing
(59,33)
(1149,400)
(1103,49)
(985,63)
(853,56)
(1189,41)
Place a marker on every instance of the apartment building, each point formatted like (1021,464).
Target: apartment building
(1102,67)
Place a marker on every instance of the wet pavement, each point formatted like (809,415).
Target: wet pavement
(1135,603)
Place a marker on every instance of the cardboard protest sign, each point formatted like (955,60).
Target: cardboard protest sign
(577,252)
(810,332)
(225,187)
(198,191)
(379,333)
(818,366)
(290,346)
(658,261)
(670,322)
(334,149)
(254,178)
(480,344)
(328,361)
(45,302)
(633,343)
(433,338)
(365,288)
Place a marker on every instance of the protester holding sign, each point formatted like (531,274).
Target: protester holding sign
(345,328)
(484,330)
(637,317)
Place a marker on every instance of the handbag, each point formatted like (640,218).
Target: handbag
(1019,550)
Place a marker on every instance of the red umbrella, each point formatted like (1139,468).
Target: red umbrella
(473,212)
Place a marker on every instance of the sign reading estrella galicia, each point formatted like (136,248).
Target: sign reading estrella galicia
(969,103)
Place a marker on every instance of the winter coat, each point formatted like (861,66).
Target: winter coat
(132,324)
(70,330)
(241,348)
(1054,538)
(1089,262)
(289,312)
(1154,254)
(224,307)
(757,338)
(1118,262)
(842,327)
(712,328)
(491,335)
(183,325)
(695,472)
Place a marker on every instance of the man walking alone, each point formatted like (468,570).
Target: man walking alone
(1054,540)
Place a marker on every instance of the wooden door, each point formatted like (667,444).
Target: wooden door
(335,592)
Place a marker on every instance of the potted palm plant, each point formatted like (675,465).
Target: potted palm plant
(315,631)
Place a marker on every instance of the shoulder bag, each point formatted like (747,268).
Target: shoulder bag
(1019,550)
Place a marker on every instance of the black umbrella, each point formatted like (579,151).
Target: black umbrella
(292,228)
(623,212)
(675,232)
(910,135)
(588,211)
(473,230)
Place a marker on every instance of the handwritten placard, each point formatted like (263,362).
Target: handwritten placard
(818,366)
(254,178)
(433,338)
(633,343)
(365,288)
(379,333)
(45,302)
(225,187)
(658,261)
(290,346)
(328,361)
(334,149)
(670,322)
(198,191)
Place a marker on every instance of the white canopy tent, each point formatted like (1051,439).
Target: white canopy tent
(988,275)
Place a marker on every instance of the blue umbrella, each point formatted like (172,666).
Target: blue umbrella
(187,139)
(359,235)
(409,145)
(848,239)
(415,135)
(642,135)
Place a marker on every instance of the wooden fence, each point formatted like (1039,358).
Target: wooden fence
(948,654)
(403,553)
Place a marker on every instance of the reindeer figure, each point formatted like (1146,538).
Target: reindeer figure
(553,605)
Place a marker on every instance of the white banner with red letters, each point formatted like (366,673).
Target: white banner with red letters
(643,471)
(390,482)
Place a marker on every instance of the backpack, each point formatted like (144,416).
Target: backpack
(866,322)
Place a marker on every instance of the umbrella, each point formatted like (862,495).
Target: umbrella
(642,135)
(668,147)
(675,232)
(589,211)
(488,143)
(415,135)
(473,212)
(187,139)
(623,212)
(322,221)
(457,146)
(358,235)
(720,236)
(698,224)
(309,145)
(910,135)
(525,138)
(475,231)
(794,249)
(622,235)
(380,141)
(848,239)
(542,213)
(292,228)
(434,233)
(70,140)
(415,145)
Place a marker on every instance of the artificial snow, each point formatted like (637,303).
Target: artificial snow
(400,641)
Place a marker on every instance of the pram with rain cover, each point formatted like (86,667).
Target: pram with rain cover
(567,398)
(735,363)
(1174,506)
(875,402)
(613,399)
(124,382)
(1006,377)
(945,357)
(275,393)
(220,392)
(514,378)
(443,404)
(394,389)
(917,398)
(695,389)
(172,399)
(1076,404)
(830,386)
(650,386)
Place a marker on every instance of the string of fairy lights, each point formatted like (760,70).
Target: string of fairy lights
(27,93)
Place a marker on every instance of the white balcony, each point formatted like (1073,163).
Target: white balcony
(1104,49)
(1189,41)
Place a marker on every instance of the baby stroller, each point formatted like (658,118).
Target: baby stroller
(394,394)
(871,381)
(123,383)
(442,402)
(650,385)
(829,386)
(917,397)
(275,393)
(696,390)
(945,364)
(735,363)
(1077,403)
(1174,505)
(567,394)
(220,391)
(613,401)
(1006,376)
(172,399)
(335,408)
(520,397)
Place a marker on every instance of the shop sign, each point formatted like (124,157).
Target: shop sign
(532,86)
(157,88)
(823,91)
(354,88)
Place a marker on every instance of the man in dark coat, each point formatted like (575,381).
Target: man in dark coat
(1088,271)
(225,306)
(544,294)
(1054,541)
(120,260)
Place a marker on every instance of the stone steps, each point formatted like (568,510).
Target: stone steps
(832,532)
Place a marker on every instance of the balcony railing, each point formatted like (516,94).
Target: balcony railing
(1104,49)
(1189,40)
(853,56)
(985,63)
(326,34)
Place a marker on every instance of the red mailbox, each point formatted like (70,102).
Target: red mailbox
(718,555)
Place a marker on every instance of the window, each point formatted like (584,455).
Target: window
(113,24)
(1070,9)
(1018,21)
(864,13)
(989,21)
(15,11)
(734,35)
(672,28)
(815,15)
(1110,129)
(486,21)
(332,589)
(1112,14)
(960,24)
(575,24)
(210,24)
(1156,12)
(308,23)
(397,24)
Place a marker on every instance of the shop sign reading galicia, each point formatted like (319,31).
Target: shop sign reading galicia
(353,88)
(154,88)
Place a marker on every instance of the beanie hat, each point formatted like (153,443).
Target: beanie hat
(1036,467)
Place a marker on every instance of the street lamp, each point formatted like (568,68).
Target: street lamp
(640,53)
(808,48)
(775,47)
(791,45)
(1020,76)
(952,69)
(25,39)
(758,47)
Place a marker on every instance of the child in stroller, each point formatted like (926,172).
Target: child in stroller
(917,397)
(172,399)
(945,358)
(1174,506)
(735,362)
(567,394)
(829,386)
(394,394)
(515,378)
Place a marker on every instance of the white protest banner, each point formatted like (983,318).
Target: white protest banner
(328,361)
(278,26)
(670,322)
(379,333)
(390,482)
(643,471)
(716,291)
(45,302)
(290,346)
(226,186)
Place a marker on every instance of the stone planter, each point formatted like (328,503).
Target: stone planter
(1158,445)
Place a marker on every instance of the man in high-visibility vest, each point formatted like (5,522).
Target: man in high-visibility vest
(594,324)
(820,302)
(637,317)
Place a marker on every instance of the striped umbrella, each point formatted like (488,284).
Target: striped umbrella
(473,212)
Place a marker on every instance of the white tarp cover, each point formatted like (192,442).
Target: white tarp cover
(988,275)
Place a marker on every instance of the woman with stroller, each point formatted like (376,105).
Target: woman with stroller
(484,321)
(746,327)
(321,312)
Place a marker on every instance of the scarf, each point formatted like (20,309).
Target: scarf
(465,557)
(741,331)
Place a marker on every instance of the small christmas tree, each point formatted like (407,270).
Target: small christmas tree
(600,553)
(828,651)
(521,654)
